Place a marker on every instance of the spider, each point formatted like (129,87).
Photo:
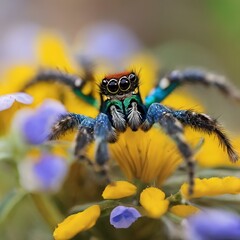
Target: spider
(121,106)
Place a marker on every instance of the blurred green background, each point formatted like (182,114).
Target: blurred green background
(203,33)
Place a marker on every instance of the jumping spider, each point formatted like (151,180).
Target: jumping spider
(122,106)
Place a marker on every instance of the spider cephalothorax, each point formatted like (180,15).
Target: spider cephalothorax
(121,106)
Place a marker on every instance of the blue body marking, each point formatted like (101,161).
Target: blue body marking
(158,94)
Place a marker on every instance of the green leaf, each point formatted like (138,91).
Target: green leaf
(9,202)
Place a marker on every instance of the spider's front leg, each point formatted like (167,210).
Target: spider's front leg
(177,78)
(103,133)
(71,121)
(84,137)
(66,122)
(158,113)
(203,122)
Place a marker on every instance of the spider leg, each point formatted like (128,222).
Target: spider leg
(158,113)
(75,82)
(193,76)
(65,123)
(203,122)
(84,138)
(103,133)
(70,80)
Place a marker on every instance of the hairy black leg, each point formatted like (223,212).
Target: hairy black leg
(84,138)
(103,133)
(158,113)
(65,123)
(197,76)
(193,76)
(70,80)
(203,122)
(211,79)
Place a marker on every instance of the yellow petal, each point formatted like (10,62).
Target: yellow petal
(212,187)
(152,157)
(119,189)
(52,52)
(184,211)
(152,200)
(76,223)
(211,155)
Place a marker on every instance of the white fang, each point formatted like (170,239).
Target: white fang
(134,117)
(118,119)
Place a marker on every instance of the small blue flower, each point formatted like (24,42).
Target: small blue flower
(214,224)
(50,170)
(36,126)
(45,174)
(123,217)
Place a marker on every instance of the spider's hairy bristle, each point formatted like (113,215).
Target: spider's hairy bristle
(203,122)
(65,123)
(225,142)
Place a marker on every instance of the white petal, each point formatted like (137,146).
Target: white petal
(6,101)
(23,98)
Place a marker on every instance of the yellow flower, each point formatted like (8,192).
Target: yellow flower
(153,201)
(184,211)
(149,156)
(76,223)
(212,187)
(119,189)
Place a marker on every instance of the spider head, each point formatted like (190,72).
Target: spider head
(119,85)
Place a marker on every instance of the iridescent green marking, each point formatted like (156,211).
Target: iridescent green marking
(135,98)
(87,98)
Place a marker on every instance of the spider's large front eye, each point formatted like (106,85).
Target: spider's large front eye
(124,84)
(132,77)
(112,86)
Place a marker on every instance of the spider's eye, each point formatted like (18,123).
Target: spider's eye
(132,77)
(112,86)
(124,84)
(104,82)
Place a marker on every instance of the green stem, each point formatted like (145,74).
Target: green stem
(47,209)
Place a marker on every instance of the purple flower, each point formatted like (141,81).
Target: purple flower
(6,101)
(123,217)
(109,41)
(37,125)
(214,224)
(44,174)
